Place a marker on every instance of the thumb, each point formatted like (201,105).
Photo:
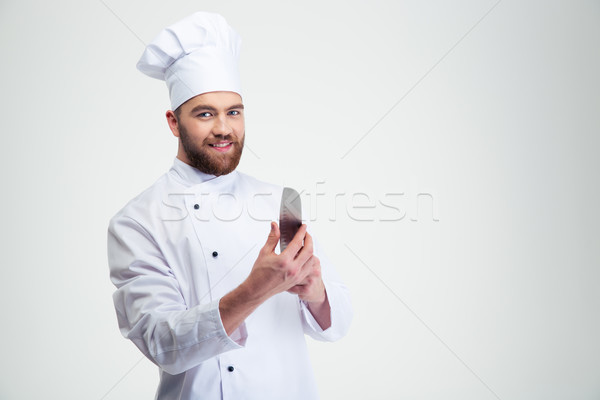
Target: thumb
(273,238)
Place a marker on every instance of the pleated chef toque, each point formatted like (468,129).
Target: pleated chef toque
(196,55)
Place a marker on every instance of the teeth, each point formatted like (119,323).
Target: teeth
(220,144)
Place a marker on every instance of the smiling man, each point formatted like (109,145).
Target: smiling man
(210,128)
(219,311)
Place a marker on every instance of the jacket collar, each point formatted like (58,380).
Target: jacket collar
(191,176)
(188,174)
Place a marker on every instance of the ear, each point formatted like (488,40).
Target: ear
(173,123)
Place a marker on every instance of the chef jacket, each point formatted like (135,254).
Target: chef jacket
(180,246)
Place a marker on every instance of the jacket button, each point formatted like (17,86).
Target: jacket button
(196,206)
(215,254)
(230,368)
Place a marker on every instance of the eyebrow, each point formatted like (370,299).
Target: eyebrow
(206,107)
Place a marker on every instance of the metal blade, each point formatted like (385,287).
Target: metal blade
(290,216)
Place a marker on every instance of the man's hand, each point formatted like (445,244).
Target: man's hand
(274,273)
(271,274)
(311,289)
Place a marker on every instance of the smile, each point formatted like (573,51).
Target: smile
(223,146)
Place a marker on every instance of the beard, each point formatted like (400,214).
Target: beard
(208,161)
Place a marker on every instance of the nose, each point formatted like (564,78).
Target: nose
(221,127)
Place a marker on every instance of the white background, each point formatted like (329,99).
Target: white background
(495,120)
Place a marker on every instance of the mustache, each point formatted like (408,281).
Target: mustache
(224,138)
(229,137)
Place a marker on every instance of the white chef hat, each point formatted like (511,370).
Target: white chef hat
(196,55)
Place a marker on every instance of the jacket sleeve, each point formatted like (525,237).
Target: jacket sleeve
(151,310)
(338,296)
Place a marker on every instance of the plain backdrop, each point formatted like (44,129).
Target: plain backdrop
(448,152)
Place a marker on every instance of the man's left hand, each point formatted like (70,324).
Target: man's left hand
(312,291)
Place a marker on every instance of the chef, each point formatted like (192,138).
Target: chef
(202,289)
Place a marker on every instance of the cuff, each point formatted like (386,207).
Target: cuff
(237,337)
(309,319)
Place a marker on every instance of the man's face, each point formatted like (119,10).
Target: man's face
(211,131)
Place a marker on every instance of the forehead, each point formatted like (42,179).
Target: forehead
(217,100)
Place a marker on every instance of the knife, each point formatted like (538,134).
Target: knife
(290,216)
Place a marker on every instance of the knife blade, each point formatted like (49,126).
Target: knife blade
(290,216)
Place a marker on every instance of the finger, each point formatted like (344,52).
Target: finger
(306,252)
(307,271)
(298,289)
(306,279)
(273,237)
(314,266)
(296,243)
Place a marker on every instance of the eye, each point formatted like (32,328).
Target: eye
(204,114)
(234,112)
